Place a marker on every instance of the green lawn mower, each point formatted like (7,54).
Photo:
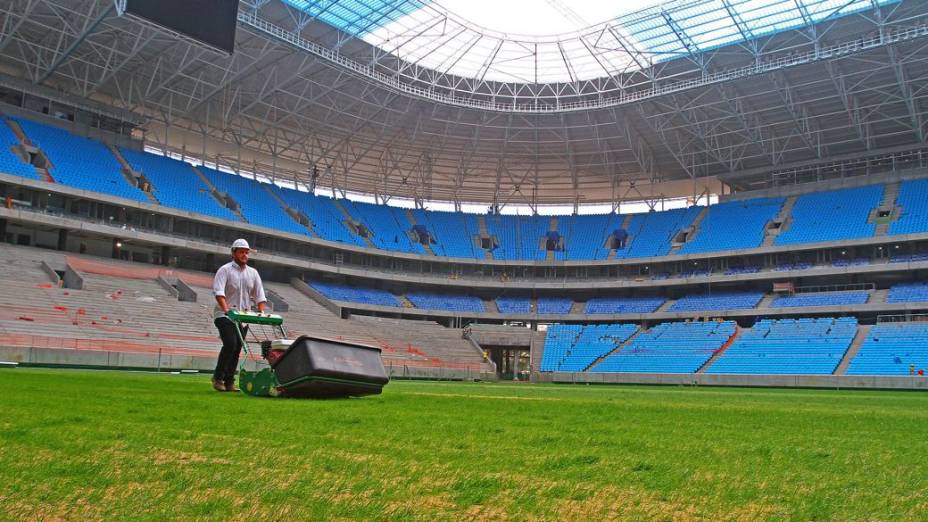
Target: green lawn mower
(308,367)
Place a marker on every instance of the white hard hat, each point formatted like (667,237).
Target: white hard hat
(240,243)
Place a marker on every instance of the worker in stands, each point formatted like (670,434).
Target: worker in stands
(236,286)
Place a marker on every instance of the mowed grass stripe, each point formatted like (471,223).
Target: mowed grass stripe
(110,445)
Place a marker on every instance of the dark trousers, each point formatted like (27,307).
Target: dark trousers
(227,364)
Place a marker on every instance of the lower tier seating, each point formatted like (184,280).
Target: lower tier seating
(789,346)
(670,348)
(892,349)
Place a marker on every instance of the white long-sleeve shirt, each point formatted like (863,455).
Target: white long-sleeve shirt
(241,286)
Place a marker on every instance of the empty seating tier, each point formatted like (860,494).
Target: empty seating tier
(451,303)
(10,163)
(832,216)
(176,184)
(734,225)
(669,348)
(721,301)
(256,204)
(908,293)
(372,296)
(572,348)
(854,297)
(892,349)
(623,305)
(81,162)
(789,346)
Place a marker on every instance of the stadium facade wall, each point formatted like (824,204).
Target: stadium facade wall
(761,381)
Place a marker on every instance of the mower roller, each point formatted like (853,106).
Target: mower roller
(308,367)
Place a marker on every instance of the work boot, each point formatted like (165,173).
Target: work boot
(230,386)
(219,385)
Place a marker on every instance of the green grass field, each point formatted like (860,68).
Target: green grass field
(106,445)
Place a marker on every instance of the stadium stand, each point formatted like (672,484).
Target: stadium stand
(373,296)
(846,298)
(908,293)
(720,301)
(913,200)
(325,218)
(789,346)
(585,235)
(452,232)
(520,237)
(10,162)
(389,226)
(573,347)
(670,348)
(255,203)
(514,305)
(449,302)
(176,185)
(651,234)
(733,225)
(623,305)
(892,349)
(80,162)
(554,305)
(832,216)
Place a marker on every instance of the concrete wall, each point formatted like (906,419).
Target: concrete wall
(779,381)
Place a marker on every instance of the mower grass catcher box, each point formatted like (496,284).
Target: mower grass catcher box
(324,368)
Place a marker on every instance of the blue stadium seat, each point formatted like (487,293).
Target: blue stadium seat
(913,199)
(892,349)
(651,234)
(908,293)
(585,235)
(789,346)
(519,237)
(733,225)
(822,299)
(9,162)
(176,185)
(81,162)
(623,305)
(719,301)
(670,348)
(832,216)
(255,203)
(449,302)
(327,221)
(554,305)
(452,232)
(389,226)
(514,305)
(571,348)
(373,296)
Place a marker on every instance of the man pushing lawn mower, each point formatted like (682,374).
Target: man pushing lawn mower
(236,286)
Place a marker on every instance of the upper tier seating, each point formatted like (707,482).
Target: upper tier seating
(514,305)
(913,198)
(327,221)
(255,203)
(176,185)
(670,348)
(832,216)
(554,305)
(623,305)
(892,349)
(11,163)
(81,162)
(453,303)
(585,235)
(734,225)
(822,299)
(571,348)
(519,237)
(651,234)
(338,292)
(720,301)
(908,293)
(452,232)
(389,226)
(789,346)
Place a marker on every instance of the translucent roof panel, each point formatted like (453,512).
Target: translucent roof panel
(431,34)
